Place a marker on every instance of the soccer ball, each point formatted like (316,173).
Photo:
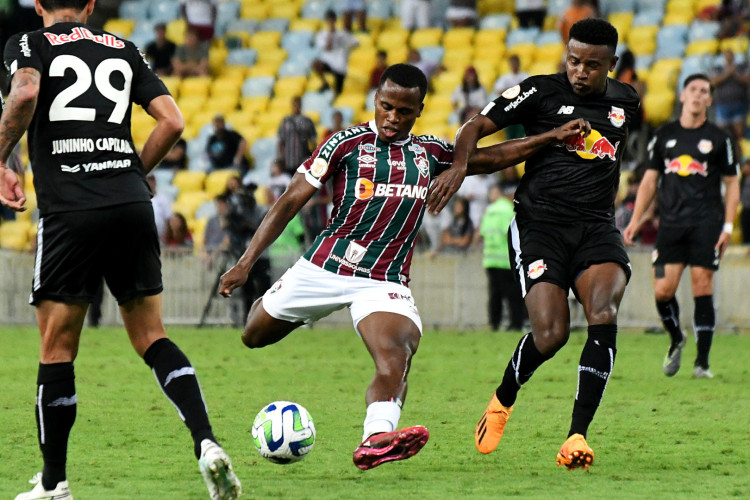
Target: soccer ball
(284,432)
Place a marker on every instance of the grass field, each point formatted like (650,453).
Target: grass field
(654,437)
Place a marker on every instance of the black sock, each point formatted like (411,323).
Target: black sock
(669,312)
(704,321)
(597,360)
(55,414)
(525,360)
(177,379)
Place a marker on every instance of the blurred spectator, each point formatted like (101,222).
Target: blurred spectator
(350,9)
(732,16)
(579,9)
(200,16)
(337,126)
(500,277)
(470,97)
(459,234)
(216,236)
(297,137)
(381,63)
(333,46)
(415,59)
(531,13)
(624,211)
(625,72)
(508,80)
(287,248)
(226,148)
(415,14)
(161,51)
(191,59)
(461,13)
(279,180)
(162,207)
(177,234)
(745,201)
(177,158)
(476,190)
(432,229)
(730,83)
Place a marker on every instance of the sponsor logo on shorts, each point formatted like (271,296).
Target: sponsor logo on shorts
(276,286)
(400,296)
(536,269)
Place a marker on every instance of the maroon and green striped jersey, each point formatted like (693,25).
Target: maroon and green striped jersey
(379,194)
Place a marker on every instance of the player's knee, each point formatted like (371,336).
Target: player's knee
(253,338)
(662,295)
(550,340)
(604,315)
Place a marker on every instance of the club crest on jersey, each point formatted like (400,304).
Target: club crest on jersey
(512,92)
(536,269)
(705,146)
(616,116)
(319,167)
(423,166)
(354,252)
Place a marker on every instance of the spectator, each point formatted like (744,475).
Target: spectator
(337,126)
(508,80)
(200,16)
(415,59)
(352,8)
(161,51)
(500,278)
(745,201)
(333,46)
(216,236)
(531,13)
(278,182)
(732,15)
(297,137)
(457,237)
(162,207)
(177,234)
(380,65)
(415,14)
(177,158)
(730,83)
(469,97)
(476,190)
(191,59)
(226,148)
(579,9)
(461,13)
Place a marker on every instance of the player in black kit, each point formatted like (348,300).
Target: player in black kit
(72,87)
(691,157)
(563,235)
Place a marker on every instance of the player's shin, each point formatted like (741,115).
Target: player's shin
(669,312)
(55,414)
(594,369)
(704,322)
(177,379)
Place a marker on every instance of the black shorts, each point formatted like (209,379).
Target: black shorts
(75,250)
(692,245)
(559,253)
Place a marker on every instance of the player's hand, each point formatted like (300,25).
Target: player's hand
(579,126)
(11,192)
(443,187)
(723,243)
(629,234)
(234,278)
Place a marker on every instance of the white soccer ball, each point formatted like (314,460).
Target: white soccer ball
(283,432)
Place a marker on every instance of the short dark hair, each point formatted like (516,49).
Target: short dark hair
(52,5)
(406,76)
(593,31)
(698,76)
(329,14)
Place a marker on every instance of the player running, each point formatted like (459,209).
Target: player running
(691,157)
(72,87)
(381,175)
(563,235)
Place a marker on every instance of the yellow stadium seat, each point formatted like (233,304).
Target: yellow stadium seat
(543,68)
(254,105)
(458,37)
(425,37)
(356,81)
(365,39)
(491,54)
(254,10)
(187,202)
(700,5)
(375,25)
(14,234)
(679,6)
(189,180)
(280,104)
(390,38)
(271,55)
(737,44)
(173,84)
(398,54)
(268,68)
(551,52)
(526,53)
(28,182)
(238,118)
(237,38)
(438,103)
(433,117)
(226,86)
(549,23)
(250,133)
(642,40)
(354,101)
(285,10)
(363,116)
(490,37)
(664,74)
(216,59)
(191,104)
(363,58)
(176,31)
(303,24)
(268,123)
(456,60)
(223,104)
(487,71)
(234,72)
(290,86)
(702,47)
(201,118)
(195,86)
(216,181)
(658,105)
(120,27)
(622,21)
(446,82)
(263,40)
(682,17)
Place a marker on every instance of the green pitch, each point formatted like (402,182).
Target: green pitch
(654,437)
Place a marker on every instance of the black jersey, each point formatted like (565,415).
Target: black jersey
(576,181)
(80,146)
(691,163)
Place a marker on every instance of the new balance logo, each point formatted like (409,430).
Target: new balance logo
(566,110)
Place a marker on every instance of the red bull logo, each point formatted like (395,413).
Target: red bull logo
(685,165)
(536,269)
(595,145)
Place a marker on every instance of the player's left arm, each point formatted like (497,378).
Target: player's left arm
(169,126)
(17,115)
(731,202)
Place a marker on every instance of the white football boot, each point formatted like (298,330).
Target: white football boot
(216,469)
(61,491)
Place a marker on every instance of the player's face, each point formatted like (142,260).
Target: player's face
(396,110)
(696,97)
(587,67)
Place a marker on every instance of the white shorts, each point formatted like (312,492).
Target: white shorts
(307,293)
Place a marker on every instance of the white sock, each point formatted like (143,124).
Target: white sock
(382,416)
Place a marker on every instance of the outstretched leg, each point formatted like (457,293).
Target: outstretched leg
(666,280)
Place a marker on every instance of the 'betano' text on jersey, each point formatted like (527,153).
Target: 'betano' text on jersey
(691,164)
(379,195)
(576,181)
(80,146)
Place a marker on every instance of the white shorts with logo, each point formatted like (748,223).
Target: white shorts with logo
(307,293)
